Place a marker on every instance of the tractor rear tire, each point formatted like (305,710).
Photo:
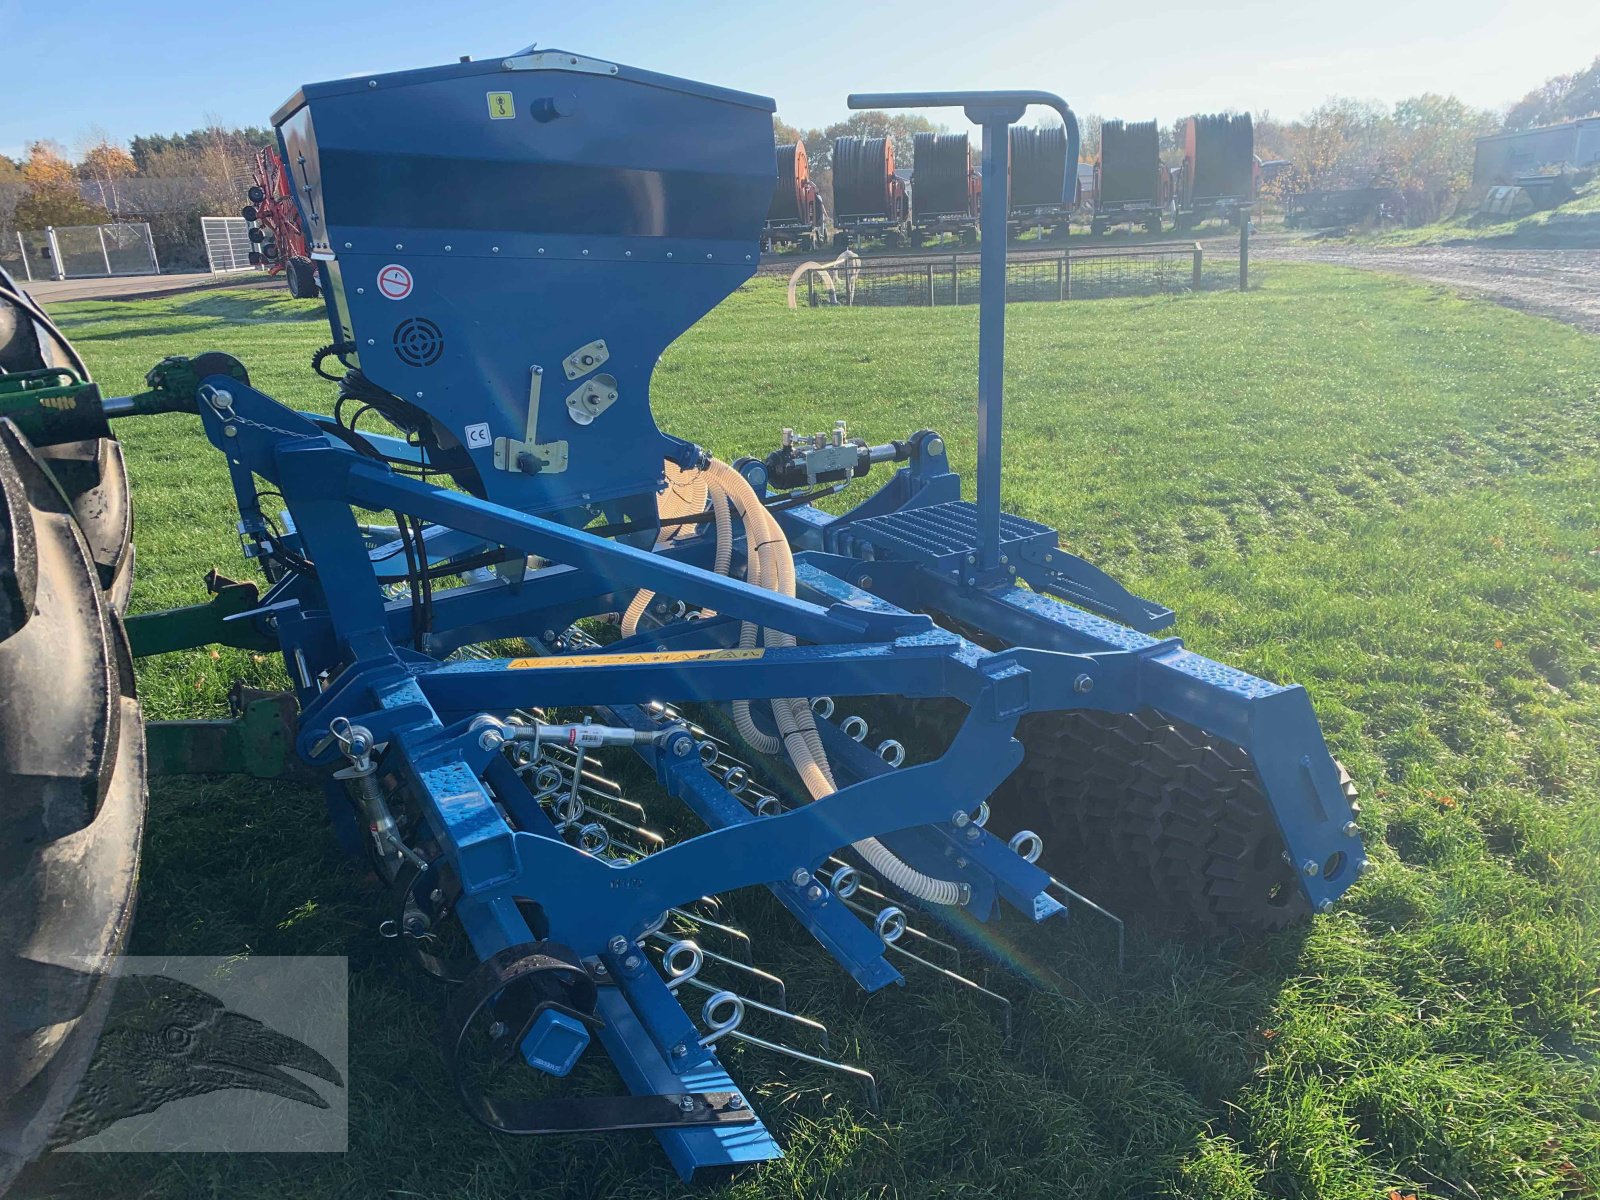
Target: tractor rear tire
(72,759)
(301,276)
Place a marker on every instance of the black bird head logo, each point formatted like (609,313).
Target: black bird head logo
(165,1040)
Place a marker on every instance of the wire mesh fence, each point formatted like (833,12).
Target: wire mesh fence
(934,280)
(80,251)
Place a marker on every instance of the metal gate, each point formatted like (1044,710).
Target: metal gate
(228,244)
(85,251)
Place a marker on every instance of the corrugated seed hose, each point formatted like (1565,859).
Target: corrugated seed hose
(769,563)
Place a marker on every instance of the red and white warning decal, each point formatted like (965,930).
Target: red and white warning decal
(394,282)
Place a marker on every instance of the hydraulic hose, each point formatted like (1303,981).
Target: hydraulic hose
(771,563)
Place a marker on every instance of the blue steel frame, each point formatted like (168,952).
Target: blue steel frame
(1080,641)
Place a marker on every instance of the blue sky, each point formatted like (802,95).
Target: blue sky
(166,65)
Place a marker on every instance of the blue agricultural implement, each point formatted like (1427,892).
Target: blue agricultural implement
(505,249)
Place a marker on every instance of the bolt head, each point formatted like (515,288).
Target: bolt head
(1083,684)
(814,892)
(735,1102)
(1325,906)
(682,747)
(1351,829)
(1363,866)
(229,431)
(865,581)
(972,833)
(497,1030)
(686,1104)
(631,962)
(801,877)
(618,945)
(961,818)
(489,739)
(1310,868)
(680,1051)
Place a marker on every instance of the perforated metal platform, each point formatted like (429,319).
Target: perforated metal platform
(943,536)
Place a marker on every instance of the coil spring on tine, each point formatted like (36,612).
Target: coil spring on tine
(709,752)
(823,706)
(1032,841)
(677,974)
(889,925)
(854,728)
(892,752)
(736,780)
(717,1029)
(845,882)
(594,838)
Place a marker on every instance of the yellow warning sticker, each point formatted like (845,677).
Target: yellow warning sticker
(634,660)
(501,106)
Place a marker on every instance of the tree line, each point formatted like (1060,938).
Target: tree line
(1423,146)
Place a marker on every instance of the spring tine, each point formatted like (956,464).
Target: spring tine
(711,903)
(765,976)
(1108,915)
(817,1027)
(1005,1005)
(738,936)
(608,797)
(562,757)
(911,929)
(649,835)
(955,951)
(873,1103)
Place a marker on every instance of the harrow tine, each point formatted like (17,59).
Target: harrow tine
(738,936)
(954,977)
(1122,929)
(874,1103)
(766,977)
(909,928)
(953,950)
(553,751)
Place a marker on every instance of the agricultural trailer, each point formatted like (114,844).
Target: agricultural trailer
(870,201)
(1132,187)
(1044,179)
(1220,170)
(946,193)
(797,215)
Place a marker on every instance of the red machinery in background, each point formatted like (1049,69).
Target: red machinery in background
(279,242)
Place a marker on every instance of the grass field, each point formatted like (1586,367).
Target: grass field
(1575,223)
(1387,494)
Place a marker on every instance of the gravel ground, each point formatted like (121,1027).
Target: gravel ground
(1563,284)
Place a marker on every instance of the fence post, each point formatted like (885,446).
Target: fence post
(58,269)
(955,281)
(1244,251)
(930,285)
(105,255)
(27,270)
(150,241)
(811,288)
(1197,255)
(1061,271)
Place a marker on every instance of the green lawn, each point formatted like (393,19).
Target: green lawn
(1382,492)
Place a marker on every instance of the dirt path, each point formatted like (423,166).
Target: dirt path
(1563,284)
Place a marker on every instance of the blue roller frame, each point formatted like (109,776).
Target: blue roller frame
(513,285)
